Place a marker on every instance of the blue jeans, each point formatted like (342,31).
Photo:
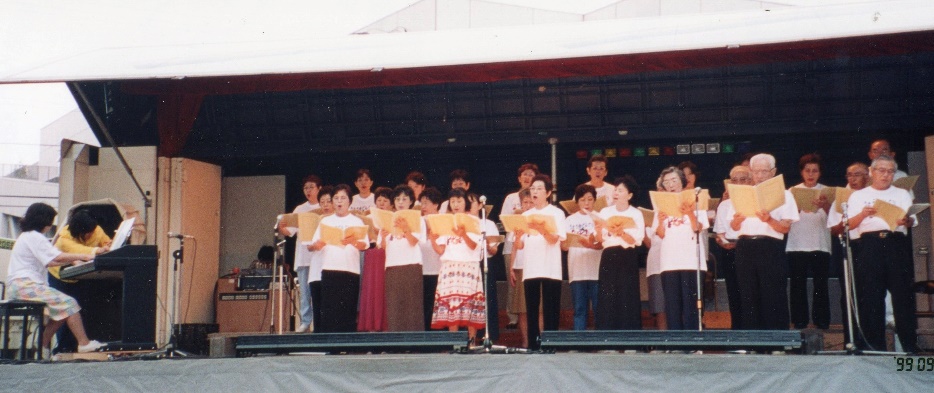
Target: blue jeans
(304,295)
(583,293)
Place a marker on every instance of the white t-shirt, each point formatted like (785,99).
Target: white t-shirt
(456,249)
(753,226)
(722,222)
(867,197)
(302,255)
(637,233)
(679,246)
(583,263)
(510,205)
(30,256)
(834,217)
(400,253)
(361,204)
(653,261)
(810,233)
(334,258)
(543,260)
(431,261)
(605,191)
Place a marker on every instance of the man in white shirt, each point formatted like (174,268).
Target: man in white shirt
(882,261)
(726,239)
(760,259)
(596,169)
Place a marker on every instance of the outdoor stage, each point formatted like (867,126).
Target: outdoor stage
(476,372)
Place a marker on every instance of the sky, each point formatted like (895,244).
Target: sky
(24,110)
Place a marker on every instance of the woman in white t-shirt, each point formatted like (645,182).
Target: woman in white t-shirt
(403,268)
(340,274)
(583,261)
(618,302)
(30,258)
(679,255)
(541,276)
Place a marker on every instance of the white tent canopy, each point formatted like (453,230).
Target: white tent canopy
(143,41)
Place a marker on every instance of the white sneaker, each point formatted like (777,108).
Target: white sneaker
(46,353)
(91,346)
(302,328)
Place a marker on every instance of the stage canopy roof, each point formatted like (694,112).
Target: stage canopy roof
(147,69)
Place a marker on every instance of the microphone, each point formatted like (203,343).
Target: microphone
(697,190)
(483,199)
(173,235)
(275,227)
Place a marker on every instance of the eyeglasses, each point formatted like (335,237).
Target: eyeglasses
(739,179)
(884,171)
(860,174)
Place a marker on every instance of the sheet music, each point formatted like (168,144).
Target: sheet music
(123,233)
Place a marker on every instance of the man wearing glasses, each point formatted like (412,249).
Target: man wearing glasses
(882,262)
(726,239)
(760,256)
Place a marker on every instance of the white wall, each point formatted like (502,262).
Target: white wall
(108,179)
(249,206)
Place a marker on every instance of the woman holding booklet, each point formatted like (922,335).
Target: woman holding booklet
(620,229)
(679,256)
(583,255)
(459,299)
(403,279)
(808,246)
(371,312)
(541,248)
(339,238)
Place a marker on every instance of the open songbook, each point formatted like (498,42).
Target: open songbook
(306,223)
(385,219)
(670,202)
(768,195)
(443,224)
(335,236)
(906,183)
(513,222)
(805,197)
(842,194)
(575,240)
(891,213)
(571,206)
(614,221)
(648,216)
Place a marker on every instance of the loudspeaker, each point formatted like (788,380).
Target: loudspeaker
(782,340)
(352,342)
(249,311)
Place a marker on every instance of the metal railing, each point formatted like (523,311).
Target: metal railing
(30,172)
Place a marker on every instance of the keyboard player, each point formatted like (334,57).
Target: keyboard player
(82,235)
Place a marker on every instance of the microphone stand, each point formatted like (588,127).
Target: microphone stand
(697,236)
(277,282)
(171,350)
(488,346)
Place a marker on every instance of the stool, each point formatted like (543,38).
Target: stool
(21,308)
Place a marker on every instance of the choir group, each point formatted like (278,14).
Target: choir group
(432,278)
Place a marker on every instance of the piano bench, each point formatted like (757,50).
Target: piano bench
(25,309)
